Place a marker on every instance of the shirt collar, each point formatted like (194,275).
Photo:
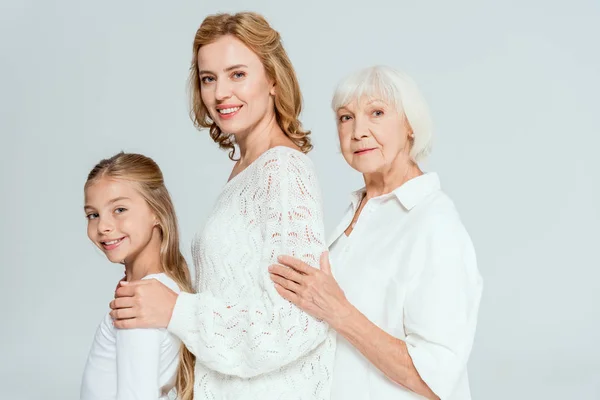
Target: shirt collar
(409,194)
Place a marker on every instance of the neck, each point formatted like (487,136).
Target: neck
(146,262)
(383,182)
(261,138)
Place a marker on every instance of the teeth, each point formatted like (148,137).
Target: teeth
(228,110)
(111,242)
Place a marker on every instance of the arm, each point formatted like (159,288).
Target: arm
(440,313)
(386,352)
(441,307)
(319,294)
(259,331)
(138,358)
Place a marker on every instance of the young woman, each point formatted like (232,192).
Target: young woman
(249,342)
(131,219)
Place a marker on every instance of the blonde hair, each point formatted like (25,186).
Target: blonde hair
(147,177)
(255,32)
(396,88)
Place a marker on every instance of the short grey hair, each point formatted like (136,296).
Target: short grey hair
(395,88)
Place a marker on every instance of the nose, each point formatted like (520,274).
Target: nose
(360,128)
(105,225)
(223,89)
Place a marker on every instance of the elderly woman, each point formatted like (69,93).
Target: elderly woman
(406,292)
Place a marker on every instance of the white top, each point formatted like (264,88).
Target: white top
(409,267)
(131,364)
(250,343)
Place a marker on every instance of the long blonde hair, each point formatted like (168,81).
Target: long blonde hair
(147,177)
(255,32)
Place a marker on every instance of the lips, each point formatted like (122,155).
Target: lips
(228,110)
(112,244)
(363,151)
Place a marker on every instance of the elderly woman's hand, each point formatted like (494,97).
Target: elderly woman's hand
(314,291)
(142,304)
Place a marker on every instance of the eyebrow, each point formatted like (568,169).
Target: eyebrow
(374,100)
(87,206)
(236,66)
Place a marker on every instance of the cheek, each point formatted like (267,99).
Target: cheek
(255,93)
(137,227)
(389,140)
(345,142)
(205,96)
(91,231)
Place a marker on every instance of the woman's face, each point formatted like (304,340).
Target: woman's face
(373,135)
(234,86)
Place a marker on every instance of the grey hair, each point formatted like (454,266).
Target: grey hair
(396,88)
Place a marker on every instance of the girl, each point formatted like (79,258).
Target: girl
(132,220)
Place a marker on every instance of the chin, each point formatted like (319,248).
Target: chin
(233,128)
(116,259)
(366,168)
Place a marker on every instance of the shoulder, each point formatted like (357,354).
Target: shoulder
(287,160)
(284,168)
(442,240)
(165,280)
(437,219)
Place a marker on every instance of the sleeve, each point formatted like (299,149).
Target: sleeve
(262,332)
(441,306)
(138,357)
(99,375)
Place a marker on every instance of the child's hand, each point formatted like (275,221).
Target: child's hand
(142,304)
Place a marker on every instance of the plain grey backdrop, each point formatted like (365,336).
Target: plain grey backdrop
(514,91)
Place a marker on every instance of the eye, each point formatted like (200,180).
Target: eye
(377,113)
(207,79)
(238,75)
(344,118)
(120,210)
(91,216)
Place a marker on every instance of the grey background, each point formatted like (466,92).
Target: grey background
(513,88)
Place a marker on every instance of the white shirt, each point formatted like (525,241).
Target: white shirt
(249,342)
(131,364)
(409,266)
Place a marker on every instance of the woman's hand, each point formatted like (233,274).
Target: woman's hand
(142,304)
(314,291)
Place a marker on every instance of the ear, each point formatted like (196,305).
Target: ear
(411,133)
(272,91)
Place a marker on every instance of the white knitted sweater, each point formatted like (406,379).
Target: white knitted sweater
(250,343)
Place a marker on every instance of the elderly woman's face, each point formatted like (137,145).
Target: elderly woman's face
(373,135)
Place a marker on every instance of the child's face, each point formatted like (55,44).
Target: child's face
(120,222)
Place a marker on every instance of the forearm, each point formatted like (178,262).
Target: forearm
(387,353)
(244,339)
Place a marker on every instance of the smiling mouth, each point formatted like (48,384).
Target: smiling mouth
(112,244)
(228,111)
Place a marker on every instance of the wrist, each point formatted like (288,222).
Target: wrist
(345,318)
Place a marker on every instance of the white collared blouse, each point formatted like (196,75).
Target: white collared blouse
(409,266)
